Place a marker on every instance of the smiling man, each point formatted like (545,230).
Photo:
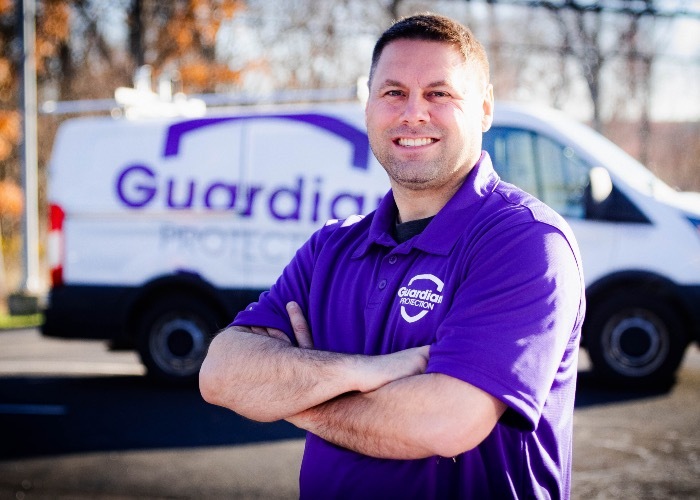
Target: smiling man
(429,348)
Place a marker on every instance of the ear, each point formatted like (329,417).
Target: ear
(488,106)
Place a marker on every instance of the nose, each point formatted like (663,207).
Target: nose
(415,110)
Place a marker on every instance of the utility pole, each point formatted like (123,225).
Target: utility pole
(30,221)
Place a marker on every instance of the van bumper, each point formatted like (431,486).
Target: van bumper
(105,312)
(85,312)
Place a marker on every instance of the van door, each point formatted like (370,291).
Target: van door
(556,175)
(632,334)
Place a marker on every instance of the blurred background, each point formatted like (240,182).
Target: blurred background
(630,69)
(77,421)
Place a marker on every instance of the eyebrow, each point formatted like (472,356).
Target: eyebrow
(396,83)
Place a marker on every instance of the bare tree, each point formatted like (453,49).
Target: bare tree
(639,61)
(580,29)
(310,45)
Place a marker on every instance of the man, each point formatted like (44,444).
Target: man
(429,348)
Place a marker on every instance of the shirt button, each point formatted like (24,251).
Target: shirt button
(393,259)
(382,284)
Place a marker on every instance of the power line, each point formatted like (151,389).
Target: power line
(626,7)
(541,48)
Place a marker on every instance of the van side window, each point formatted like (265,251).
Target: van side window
(542,167)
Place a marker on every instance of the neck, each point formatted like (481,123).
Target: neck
(418,204)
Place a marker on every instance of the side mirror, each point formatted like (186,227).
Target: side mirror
(597,192)
(607,203)
(601,184)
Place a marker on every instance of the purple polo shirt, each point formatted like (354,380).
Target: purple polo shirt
(494,285)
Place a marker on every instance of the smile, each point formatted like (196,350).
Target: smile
(415,142)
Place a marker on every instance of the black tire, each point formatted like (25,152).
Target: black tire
(634,340)
(173,337)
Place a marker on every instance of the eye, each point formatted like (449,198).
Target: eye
(439,93)
(393,93)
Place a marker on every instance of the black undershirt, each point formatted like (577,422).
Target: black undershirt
(406,230)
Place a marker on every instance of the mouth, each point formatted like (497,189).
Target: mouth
(414,142)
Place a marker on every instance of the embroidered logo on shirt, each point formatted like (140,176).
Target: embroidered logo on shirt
(420,297)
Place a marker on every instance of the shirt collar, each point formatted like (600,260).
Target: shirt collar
(440,235)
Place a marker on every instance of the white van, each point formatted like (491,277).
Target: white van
(163,228)
(639,239)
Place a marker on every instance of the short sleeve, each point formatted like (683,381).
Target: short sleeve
(292,285)
(513,318)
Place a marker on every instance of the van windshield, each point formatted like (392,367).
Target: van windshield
(605,153)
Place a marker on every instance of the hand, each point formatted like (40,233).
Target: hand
(271,332)
(386,368)
(299,326)
(371,372)
(376,371)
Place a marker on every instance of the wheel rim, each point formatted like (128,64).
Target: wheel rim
(636,342)
(178,345)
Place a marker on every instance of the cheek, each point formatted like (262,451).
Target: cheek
(471,122)
(376,115)
(451,115)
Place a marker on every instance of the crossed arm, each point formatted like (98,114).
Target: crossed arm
(383,406)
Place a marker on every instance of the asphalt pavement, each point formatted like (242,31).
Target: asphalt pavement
(78,422)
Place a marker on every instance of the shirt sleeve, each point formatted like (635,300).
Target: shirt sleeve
(293,285)
(514,318)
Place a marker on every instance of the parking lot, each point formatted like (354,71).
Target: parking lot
(77,421)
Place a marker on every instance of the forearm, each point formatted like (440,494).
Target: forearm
(415,417)
(267,379)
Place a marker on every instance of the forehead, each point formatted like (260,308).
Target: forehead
(424,59)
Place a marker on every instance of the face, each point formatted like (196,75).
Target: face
(426,112)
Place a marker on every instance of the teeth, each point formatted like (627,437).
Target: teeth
(411,143)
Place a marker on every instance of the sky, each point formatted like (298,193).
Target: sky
(677,84)
(675,87)
(676,93)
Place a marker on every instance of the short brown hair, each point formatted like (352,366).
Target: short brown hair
(436,28)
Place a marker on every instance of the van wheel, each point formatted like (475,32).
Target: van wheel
(634,340)
(174,335)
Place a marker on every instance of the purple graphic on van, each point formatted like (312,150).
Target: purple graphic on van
(350,133)
(142,186)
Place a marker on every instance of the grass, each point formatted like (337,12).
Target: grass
(8,322)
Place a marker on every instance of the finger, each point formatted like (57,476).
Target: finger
(278,334)
(259,330)
(270,332)
(300,326)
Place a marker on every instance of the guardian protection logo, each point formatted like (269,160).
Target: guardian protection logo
(420,298)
